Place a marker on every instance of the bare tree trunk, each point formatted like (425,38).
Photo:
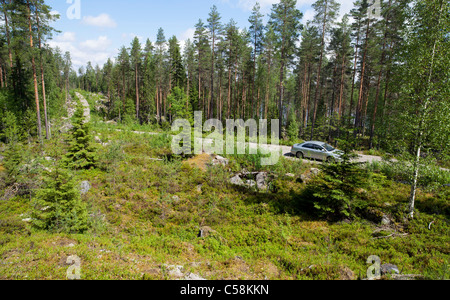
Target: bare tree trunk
(211,104)
(33,63)
(158,109)
(8,39)
(363,69)
(319,70)
(44,98)
(1,75)
(137,92)
(266,106)
(355,67)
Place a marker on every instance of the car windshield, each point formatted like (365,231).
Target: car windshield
(328,147)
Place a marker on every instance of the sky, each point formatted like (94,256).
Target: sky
(94,30)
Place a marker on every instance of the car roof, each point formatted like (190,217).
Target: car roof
(315,142)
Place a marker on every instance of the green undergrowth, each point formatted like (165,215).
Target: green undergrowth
(146,208)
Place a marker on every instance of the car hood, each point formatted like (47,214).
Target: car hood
(338,152)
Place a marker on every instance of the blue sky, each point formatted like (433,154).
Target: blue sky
(103,26)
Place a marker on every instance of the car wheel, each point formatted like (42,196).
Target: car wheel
(300,155)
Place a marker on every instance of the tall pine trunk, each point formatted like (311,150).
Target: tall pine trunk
(33,64)
(44,97)
(319,70)
(137,92)
(8,39)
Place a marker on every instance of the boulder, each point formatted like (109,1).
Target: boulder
(175,271)
(236,180)
(112,122)
(261,181)
(205,231)
(192,276)
(219,160)
(85,187)
(388,269)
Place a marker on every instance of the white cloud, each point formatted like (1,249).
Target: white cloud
(97,51)
(66,37)
(102,20)
(308,16)
(100,44)
(128,37)
(185,35)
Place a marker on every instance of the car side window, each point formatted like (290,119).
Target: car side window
(308,146)
(320,148)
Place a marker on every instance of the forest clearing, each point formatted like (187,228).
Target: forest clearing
(91,189)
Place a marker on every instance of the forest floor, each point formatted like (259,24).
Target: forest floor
(155,216)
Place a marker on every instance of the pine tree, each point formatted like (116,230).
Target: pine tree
(256,31)
(177,71)
(326,12)
(58,206)
(136,62)
(285,21)
(215,30)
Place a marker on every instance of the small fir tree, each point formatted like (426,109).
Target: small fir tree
(58,206)
(334,193)
(81,153)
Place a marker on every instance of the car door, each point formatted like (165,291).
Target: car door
(307,150)
(318,152)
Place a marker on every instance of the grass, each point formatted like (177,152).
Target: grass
(146,214)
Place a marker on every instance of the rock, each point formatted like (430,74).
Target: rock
(199,188)
(98,140)
(192,276)
(315,171)
(290,175)
(261,181)
(250,183)
(174,271)
(236,180)
(27,220)
(406,277)
(205,231)
(219,160)
(112,122)
(388,269)
(175,199)
(347,274)
(385,220)
(85,186)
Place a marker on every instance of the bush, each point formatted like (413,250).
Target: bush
(58,206)
(81,154)
(334,193)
